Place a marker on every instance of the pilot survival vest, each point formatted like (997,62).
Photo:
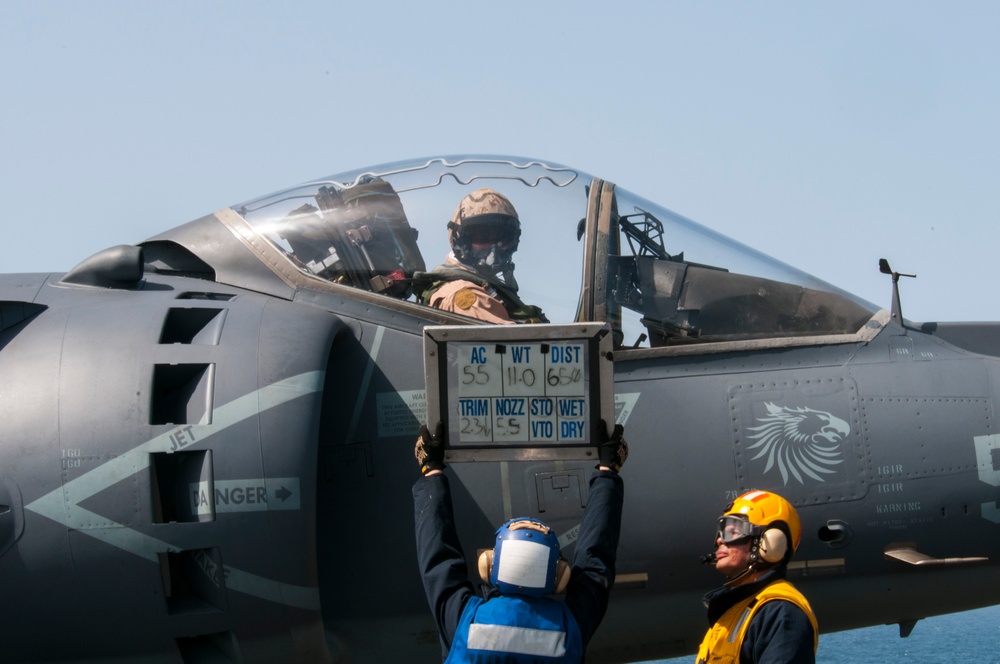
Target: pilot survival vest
(722,642)
(427,283)
(516,630)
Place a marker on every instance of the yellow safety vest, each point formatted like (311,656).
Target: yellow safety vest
(722,642)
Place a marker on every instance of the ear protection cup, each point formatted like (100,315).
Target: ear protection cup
(486,565)
(773,545)
(562,576)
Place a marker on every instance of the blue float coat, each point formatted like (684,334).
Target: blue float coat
(446,576)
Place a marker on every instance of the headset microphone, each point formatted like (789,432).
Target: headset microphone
(710,559)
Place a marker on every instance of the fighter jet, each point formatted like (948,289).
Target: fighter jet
(206,439)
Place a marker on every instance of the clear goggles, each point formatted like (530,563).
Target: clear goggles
(733,529)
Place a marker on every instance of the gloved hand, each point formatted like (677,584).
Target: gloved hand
(429,450)
(614,450)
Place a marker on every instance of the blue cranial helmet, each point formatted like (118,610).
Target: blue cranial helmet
(526,559)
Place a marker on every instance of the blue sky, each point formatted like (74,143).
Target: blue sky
(826,134)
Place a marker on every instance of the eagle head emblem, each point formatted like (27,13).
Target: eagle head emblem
(800,442)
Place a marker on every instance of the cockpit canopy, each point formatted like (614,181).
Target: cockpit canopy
(355,236)
(588,251)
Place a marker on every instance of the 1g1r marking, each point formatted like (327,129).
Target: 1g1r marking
(71,458)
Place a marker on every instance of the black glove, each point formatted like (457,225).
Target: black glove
(429,450)
(614,450)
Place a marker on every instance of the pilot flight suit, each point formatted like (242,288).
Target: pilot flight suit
(461,290)
(764,622)
(457,610)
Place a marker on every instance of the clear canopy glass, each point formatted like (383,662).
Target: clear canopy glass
(657,273)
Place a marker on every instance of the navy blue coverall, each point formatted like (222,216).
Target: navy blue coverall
(446,576)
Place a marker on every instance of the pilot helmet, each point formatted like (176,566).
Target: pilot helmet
(484,233)
(768,521)
(525,560)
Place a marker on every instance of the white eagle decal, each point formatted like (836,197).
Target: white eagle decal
(799,441)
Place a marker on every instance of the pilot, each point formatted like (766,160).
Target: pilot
(758,617)
(515,620)
(477,278)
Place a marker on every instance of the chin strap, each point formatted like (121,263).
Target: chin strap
(738,579)
(755,565)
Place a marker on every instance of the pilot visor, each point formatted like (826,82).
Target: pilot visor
(491,230)
(733,529)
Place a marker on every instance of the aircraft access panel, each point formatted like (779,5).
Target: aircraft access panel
(519,392)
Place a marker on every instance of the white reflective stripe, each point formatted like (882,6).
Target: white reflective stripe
(523,563)
(739,623)
(520,640)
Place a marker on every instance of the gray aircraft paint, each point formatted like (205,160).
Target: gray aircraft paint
(907,518)
(63,505)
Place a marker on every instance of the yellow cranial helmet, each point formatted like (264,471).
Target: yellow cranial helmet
(769,519)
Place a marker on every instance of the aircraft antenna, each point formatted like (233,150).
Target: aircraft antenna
(897,310)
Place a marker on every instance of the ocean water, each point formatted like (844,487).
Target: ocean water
(972,636)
